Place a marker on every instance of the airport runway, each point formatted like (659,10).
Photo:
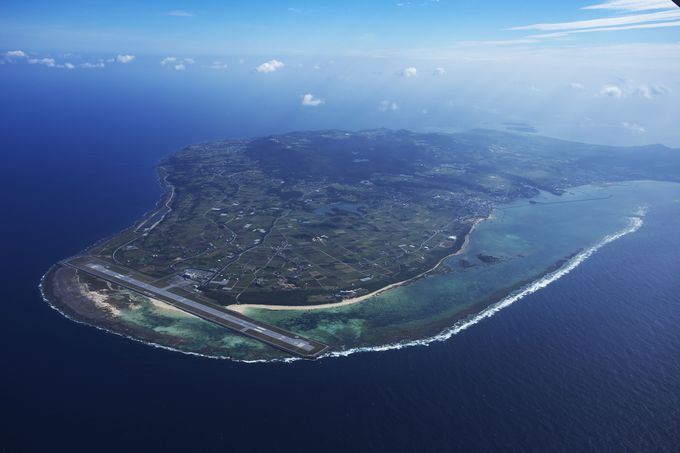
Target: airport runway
(234,321)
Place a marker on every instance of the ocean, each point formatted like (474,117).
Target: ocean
(588,363)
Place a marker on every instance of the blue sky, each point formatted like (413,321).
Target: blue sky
(605,71)
(329,27)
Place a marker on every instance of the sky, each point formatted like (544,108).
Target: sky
(331,27)
(604,71)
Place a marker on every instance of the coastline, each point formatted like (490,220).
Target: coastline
(166,198)
(529,287)
(67,313)
(242,308)
(87,308)
(51,292)
(464,322)
(164,203)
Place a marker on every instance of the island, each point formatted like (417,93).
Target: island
(310,222)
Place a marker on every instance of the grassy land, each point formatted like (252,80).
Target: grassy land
(309,218)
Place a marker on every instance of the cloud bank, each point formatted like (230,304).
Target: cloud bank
(176,63)
(387,106)
(270,66)
(15,54)
(124,59)
(409,72)
(310,100)
(612,91)
(633,127)
(49,62)
(633,5)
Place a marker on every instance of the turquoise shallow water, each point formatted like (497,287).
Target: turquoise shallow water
(589,363)
(507,257)
(525,241)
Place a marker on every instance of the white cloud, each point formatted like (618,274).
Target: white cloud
(99,64)
(176,63)
(604,22)
(16,54)
(298,11)
(310,101)
(623,27)
(502,42)
(651,91)
(270,66)
(612,91)
(439,72)
(386,106)
(633,5)
(218,65)
(49,62)
(124,58)
(576,85)
(409,72)
(650,14)
(180,13)
(644,90)
(633,127)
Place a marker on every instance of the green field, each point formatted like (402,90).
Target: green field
(316,217)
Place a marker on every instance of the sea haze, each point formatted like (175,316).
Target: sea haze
(146,98)
(589,362)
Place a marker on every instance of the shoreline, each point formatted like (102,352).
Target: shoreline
(70,313)
(465,321)
(168,192)
(551,275)
(461,321)
(242,308)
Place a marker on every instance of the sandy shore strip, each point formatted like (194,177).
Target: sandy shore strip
(162,306)
(241,308)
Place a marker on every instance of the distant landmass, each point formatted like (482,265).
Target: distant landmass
(520,127)
(311,222)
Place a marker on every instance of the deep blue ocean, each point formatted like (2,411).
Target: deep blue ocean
(590,363)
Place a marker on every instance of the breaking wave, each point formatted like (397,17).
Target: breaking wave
(78,321)
(634,224)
